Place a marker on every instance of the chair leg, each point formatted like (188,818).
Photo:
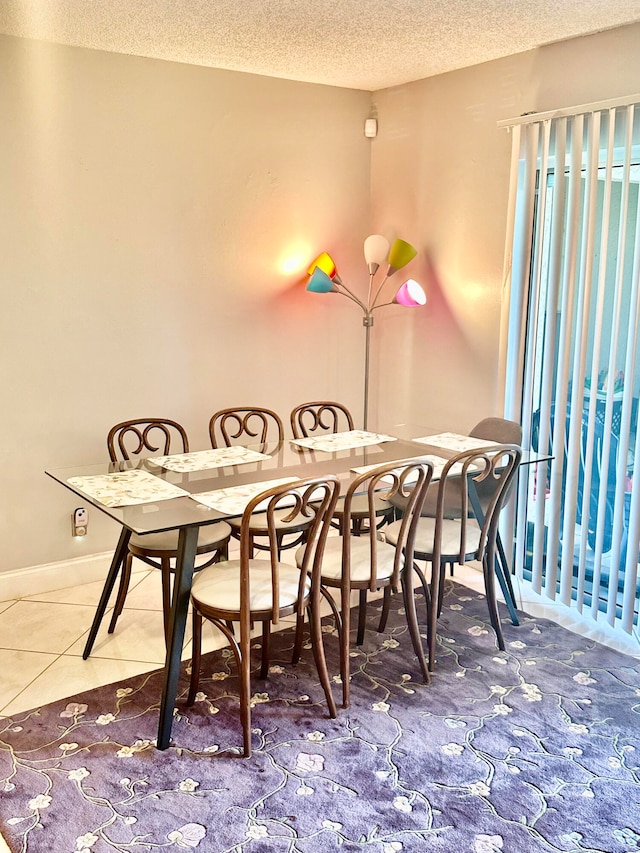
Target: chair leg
(362,616)
(320,660)
(266,648)
(165,569)
(196,656)
(412,621)
(488,563)
(345,618)
(441,588)
(425,588)
(386,603)
(123,589)
(432,619)
(297,645)
(244,665)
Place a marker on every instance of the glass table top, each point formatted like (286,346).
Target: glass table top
(155,513)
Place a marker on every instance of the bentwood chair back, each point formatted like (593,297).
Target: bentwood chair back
(248,590)
(323,417)
(441,540)
(158,437)
(503,431)
(320,417)
(252,425)
(366,562)
(499,430)
(263,429)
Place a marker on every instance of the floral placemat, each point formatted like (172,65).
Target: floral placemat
(127,488)
(203,460)
(234,499)
(437,461)
(343,440)
(454,441)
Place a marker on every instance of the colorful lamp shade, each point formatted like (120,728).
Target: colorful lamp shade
(411,295)
(325,262)
(376,249)
(400,255)
(324,278)
(320,282)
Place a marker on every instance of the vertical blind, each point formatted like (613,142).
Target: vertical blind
(572,373)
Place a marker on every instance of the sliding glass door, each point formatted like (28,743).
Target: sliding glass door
(573,366)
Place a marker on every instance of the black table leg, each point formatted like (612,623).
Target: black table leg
(187,544)
(509,594)
(501,564)
(116,564)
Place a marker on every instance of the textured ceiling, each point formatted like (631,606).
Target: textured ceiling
(362,44)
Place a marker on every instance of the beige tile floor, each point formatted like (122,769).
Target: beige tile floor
(42,638)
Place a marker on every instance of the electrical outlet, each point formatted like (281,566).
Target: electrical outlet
(79,521)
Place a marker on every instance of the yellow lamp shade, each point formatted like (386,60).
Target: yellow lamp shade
(325,262)
(400,255)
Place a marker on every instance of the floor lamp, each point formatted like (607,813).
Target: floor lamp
(324,278)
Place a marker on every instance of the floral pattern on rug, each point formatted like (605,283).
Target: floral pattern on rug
(533,749)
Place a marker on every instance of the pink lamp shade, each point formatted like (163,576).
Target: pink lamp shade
(411,295)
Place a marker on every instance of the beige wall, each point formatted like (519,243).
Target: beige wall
(147,208)
(440,173)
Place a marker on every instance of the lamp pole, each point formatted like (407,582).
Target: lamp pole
(367,322)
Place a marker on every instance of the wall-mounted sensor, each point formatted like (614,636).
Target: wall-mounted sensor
(79,521)
(371,128)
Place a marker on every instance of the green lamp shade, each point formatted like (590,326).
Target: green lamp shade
(324,262)
(401,253)
(320,282)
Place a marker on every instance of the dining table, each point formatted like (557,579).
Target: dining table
(185,492)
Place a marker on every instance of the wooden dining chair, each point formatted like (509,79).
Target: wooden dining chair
(366,562)
(264,589)
(159,436)
(320,417)
(323,417)
(264,431)
(441,540)
(252,425)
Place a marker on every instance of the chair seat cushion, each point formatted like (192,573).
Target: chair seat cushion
(360,559)
(218,586)
(259,522)
(450,546)
(210,537)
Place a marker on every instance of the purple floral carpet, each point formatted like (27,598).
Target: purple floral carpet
(532,749)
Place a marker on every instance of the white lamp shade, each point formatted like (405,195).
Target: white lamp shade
(376,249)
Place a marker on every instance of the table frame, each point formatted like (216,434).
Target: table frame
(186,553)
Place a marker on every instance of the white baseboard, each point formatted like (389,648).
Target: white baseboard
(51,576)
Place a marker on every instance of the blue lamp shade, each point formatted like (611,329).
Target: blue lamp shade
(320,282)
